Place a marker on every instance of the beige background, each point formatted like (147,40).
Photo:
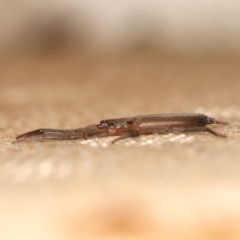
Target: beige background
(68,64)
(170,186)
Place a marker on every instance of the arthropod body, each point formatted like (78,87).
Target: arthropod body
(129,127)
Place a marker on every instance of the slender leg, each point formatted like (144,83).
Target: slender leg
(202,129)
(179,131)
(214,133)
(131,133)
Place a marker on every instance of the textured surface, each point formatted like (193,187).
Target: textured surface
(170,186)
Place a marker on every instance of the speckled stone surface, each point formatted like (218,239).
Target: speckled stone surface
(170,186)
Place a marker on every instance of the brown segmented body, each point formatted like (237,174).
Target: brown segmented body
(129,127)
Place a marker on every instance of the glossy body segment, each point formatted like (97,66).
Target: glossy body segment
(128,127)
(174,121)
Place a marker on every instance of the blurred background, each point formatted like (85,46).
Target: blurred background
(33,26)
(69,64)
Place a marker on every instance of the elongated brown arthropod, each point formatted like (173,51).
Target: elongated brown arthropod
(130,127)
